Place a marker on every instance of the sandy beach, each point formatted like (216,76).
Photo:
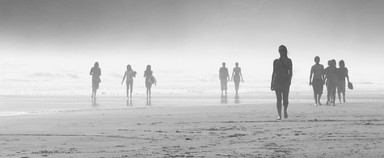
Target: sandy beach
(353,129)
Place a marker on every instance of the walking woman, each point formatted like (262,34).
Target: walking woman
(236,76)
(342,73)
(316,80)
(96,73)
(149,80)
(129,74)
(281,79)
(331,80)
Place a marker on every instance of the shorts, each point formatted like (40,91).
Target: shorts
(318,85)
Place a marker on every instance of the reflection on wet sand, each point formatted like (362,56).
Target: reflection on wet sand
(224,99)
(237,99)
(94,103)
(129,102)
(149,102)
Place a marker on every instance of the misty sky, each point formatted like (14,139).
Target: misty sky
(195,33)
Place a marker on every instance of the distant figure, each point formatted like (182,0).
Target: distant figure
(326,81)
(281,79)
(149,80)
(224,78)
(129,74)
(342,73)
(317,82)
(331,80)
(96,73)
(236,75)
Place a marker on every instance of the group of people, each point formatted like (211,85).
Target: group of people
(128,77)
(332,77)
(224,78)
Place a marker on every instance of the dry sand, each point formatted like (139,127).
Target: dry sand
(346,130)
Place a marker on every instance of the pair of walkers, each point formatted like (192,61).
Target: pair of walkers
(128,77)
(332,77)
(224,78)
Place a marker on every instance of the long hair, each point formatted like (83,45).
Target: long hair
(283,51)
(129,67)
(96,64)
(148,68)
(341,63)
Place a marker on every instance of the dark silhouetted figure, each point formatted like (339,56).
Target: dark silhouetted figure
(281,80)
(317,82)
(331,80)
(149,80)
(96,73)
(236,76)
(129,74)
(342,73)
(224,78)
(326,81)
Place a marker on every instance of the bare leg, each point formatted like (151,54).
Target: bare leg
(278,103)
(285,103)
(315,96)
(318,101)
(344,97)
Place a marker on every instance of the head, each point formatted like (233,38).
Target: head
(317,59)
(96,64)
(329,62)
(333,62)
(283,51)
(341,63)
(223,64)
(237,64)
(129,67)
(148,67)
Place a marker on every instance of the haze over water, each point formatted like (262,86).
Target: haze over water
(48,47)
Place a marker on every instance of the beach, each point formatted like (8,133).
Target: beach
(210,128)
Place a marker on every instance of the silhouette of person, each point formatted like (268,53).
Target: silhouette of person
(236,76)
(224,78)
(326,81)
(281,79)
(149,80)
(317,82)
(129,74)
(331,80)
(96,73)
(342,73)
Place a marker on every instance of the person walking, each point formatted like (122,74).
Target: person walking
(281,80)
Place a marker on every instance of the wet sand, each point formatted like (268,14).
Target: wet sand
(353,129)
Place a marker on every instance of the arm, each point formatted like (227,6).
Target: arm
(125,74)
(290,72)
(241,75)
(233,73)
(310,77)
(91,72)
(228,75)
(273,77)
(347,75)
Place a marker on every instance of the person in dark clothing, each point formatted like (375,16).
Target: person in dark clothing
(96,73)
(224,78)
(331,80)
(281,80)
(342,73)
